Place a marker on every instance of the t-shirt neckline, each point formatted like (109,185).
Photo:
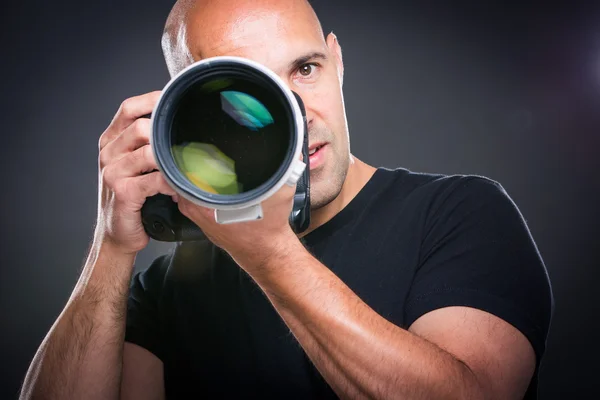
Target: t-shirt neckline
(348,213)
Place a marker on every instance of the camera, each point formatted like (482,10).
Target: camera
(227,134)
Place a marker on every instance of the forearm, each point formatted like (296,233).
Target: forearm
(81,357)
(357,351)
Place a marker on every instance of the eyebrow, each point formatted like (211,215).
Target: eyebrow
(298,62)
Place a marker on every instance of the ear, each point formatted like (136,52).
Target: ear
(336,50)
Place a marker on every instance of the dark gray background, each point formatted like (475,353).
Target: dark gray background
(509,90)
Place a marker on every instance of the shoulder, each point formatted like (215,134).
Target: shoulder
(440,193)
(440,187)
(476,250)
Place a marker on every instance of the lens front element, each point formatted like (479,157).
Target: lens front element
(230,134)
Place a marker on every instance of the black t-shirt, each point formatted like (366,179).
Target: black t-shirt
(407,244)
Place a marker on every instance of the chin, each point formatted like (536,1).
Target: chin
(324,191)
(326,183)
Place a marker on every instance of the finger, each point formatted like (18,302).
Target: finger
(153,183)
(135,190)
(132,138)
(134,108)
(194,211)
(285,193)
(135,163)
(130,110)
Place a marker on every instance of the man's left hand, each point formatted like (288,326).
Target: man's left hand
(250,243)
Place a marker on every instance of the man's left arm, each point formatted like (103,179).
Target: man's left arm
(478,255)
(454,352)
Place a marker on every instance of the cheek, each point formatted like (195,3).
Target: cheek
(327,107)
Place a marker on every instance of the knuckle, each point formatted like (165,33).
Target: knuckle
(104,138)
(138,125)
(103,159)
(126,108)
(107,177)
(141,130)
(148,154)
(141,127)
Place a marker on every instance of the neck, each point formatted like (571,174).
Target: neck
(358,175)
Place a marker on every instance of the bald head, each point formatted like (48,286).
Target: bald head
(174,39)
(286,37)
(193,25)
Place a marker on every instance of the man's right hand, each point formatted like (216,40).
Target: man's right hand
(128,174)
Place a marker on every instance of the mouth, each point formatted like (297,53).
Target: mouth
(316,153)
(315,147)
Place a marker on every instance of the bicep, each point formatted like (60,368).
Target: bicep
(500,356)
(142,374)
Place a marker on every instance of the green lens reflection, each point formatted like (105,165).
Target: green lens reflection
(207,167)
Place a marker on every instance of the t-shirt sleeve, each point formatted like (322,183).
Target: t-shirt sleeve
(477,251)
(144,326)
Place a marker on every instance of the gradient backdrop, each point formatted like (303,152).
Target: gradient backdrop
(509,90)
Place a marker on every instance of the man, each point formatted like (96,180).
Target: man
(405,285)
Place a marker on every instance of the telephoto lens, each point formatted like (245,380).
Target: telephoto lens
(227,133)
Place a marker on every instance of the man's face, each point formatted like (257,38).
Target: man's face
(285,37)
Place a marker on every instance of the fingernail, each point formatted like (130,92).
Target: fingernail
(175,198)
